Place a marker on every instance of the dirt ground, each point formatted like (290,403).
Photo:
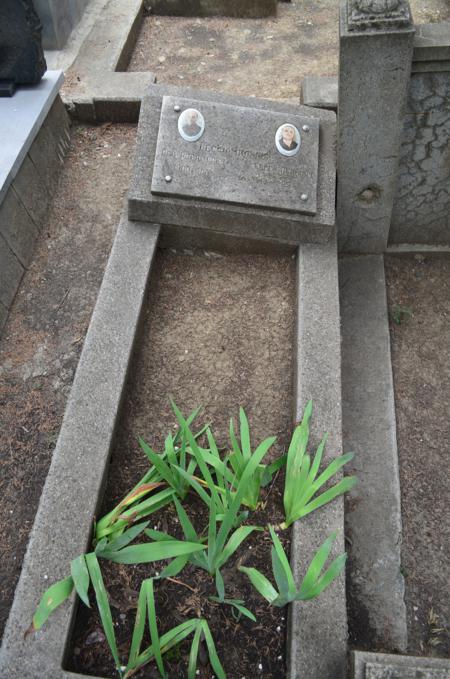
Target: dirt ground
(256,57)
(419,300)
(218,331)
(43,337)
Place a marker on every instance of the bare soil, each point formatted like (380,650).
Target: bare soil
(217,331)
(265,58)
(42,340)
(421,365)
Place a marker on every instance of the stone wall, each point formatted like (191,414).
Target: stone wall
(421,212)
(59,18)
(233,8)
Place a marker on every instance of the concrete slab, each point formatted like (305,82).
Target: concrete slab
(74,484)
(373,511)
(235,220)
(58,18)
(432,42)
(320,91)
(317,644)
(21,118)
(384,666)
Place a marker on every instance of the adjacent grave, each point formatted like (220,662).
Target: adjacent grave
(235,165)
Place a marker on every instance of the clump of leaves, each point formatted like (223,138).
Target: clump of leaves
(302,483)
(314,582)
(400,313)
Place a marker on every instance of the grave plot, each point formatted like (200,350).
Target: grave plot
(418,294)
(217,331)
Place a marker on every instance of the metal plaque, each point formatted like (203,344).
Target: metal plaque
(236,155)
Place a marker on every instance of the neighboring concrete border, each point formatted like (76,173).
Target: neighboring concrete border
(317,630)
(100,89)
(402,666)
(24,204)
(375,585)
(74,484)
(319,91)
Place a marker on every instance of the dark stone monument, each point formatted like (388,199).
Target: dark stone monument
(22,59)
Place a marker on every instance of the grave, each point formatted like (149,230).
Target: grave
(233,172)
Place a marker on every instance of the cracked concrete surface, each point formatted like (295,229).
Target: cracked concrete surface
(422,207)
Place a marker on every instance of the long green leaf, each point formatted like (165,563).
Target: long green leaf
(154,551)
(138,631)
(54,596)
(327,578)
(339,489)
(103,604)
(126,537)
(260,583)
(317,563)
(154,635)
(245,435)
(281,567)
(213,657)
(236,539)
(193,655)
(80,577)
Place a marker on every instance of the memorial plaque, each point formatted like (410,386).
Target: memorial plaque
(234,154)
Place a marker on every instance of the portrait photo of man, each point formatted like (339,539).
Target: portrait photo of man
(191,124)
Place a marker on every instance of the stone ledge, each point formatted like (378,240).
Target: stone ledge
(432,42)
(101,89)
(373,511)
(384,666)
(320,91)
(317,629)
(74,483)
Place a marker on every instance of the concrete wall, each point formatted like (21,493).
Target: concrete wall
(58,18)
(23,209)
(233,8)
(421,212)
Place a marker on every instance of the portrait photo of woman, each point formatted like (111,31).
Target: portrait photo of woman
(191,124)
(287,140)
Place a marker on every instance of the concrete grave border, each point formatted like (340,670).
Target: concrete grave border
(363,661)
(101,89)
(75,482)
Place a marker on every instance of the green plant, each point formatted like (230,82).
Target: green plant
(137,505)
(312,584)
(119,551)
(302,482)
(400,313)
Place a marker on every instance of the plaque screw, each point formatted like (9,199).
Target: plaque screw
(304,196)
(305,128)
(177,108)
(168,178)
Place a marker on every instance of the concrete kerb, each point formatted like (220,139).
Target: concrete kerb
(317,630)
(373,509)
(101,88)
(73,488)
(385,666)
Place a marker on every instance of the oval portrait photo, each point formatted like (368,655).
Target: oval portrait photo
(191,124)
(287,140)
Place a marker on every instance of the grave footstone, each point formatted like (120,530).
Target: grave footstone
(233,165)
(22,59)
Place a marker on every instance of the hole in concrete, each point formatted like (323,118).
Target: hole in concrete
(217,331)
(369,195)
